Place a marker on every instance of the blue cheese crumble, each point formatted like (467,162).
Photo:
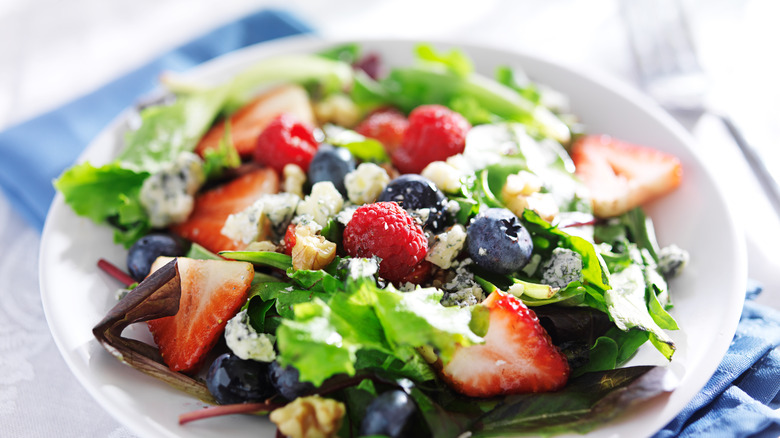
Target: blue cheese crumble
(365,183)
(245,342)
(324,202)
(167,196)
(463,290)
(446,246)
(563,267)
(247,226)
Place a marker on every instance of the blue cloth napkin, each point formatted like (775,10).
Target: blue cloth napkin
(34,153)
(740,398)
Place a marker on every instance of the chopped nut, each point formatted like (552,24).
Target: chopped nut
(311,251)
(309,417)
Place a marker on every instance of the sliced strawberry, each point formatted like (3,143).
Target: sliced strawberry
(621,175)
(387,126)
(247,123)
(212,291)
(212,208)
(517,356)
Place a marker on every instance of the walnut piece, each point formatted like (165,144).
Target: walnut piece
(309,417)
(311,250)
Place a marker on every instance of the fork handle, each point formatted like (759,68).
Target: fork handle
(756,162)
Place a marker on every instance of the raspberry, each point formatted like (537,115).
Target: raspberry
(419,274)
(387,126)
(435,133)
(285,141)
(387,231)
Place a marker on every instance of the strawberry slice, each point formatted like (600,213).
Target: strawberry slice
(621,175)
(247,123)
(212,291)
(517,356)
(212,208)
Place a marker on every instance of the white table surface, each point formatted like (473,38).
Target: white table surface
(53,51)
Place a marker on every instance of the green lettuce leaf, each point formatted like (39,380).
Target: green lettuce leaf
(365,318)
(109,193)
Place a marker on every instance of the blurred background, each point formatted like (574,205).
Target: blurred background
(53,51)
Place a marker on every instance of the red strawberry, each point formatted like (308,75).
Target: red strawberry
(622,176)
(247,123)
(435,133)
(517,356)
(212,208)
(286,141)
(387,126)
(212,291)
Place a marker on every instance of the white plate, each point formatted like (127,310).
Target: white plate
(708,297)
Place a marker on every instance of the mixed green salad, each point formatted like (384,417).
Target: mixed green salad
(414,251)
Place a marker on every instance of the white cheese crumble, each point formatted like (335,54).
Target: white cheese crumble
(245,342)
(167,196)
(247,226)
(294,179)
(445,176)
(323,202)
(446,246)
(365,183)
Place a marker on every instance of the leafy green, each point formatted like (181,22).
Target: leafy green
(454,60)
(198,252)
(347,53)
(263,258)
(365,317)
(107,193)
(518,81)
(585,403)
(433,83)
(217,160)
(627,306)
(167,131)
(363,148)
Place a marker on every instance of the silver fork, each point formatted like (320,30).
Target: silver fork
(669,71)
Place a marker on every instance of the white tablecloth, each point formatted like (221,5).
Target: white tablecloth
(51,52)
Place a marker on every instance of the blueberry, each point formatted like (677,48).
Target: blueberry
(498,242)
(287,381)
(331,164)
(146,250)
(414,192)
(390,414)
(233,380)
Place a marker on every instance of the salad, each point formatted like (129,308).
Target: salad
(424,251)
